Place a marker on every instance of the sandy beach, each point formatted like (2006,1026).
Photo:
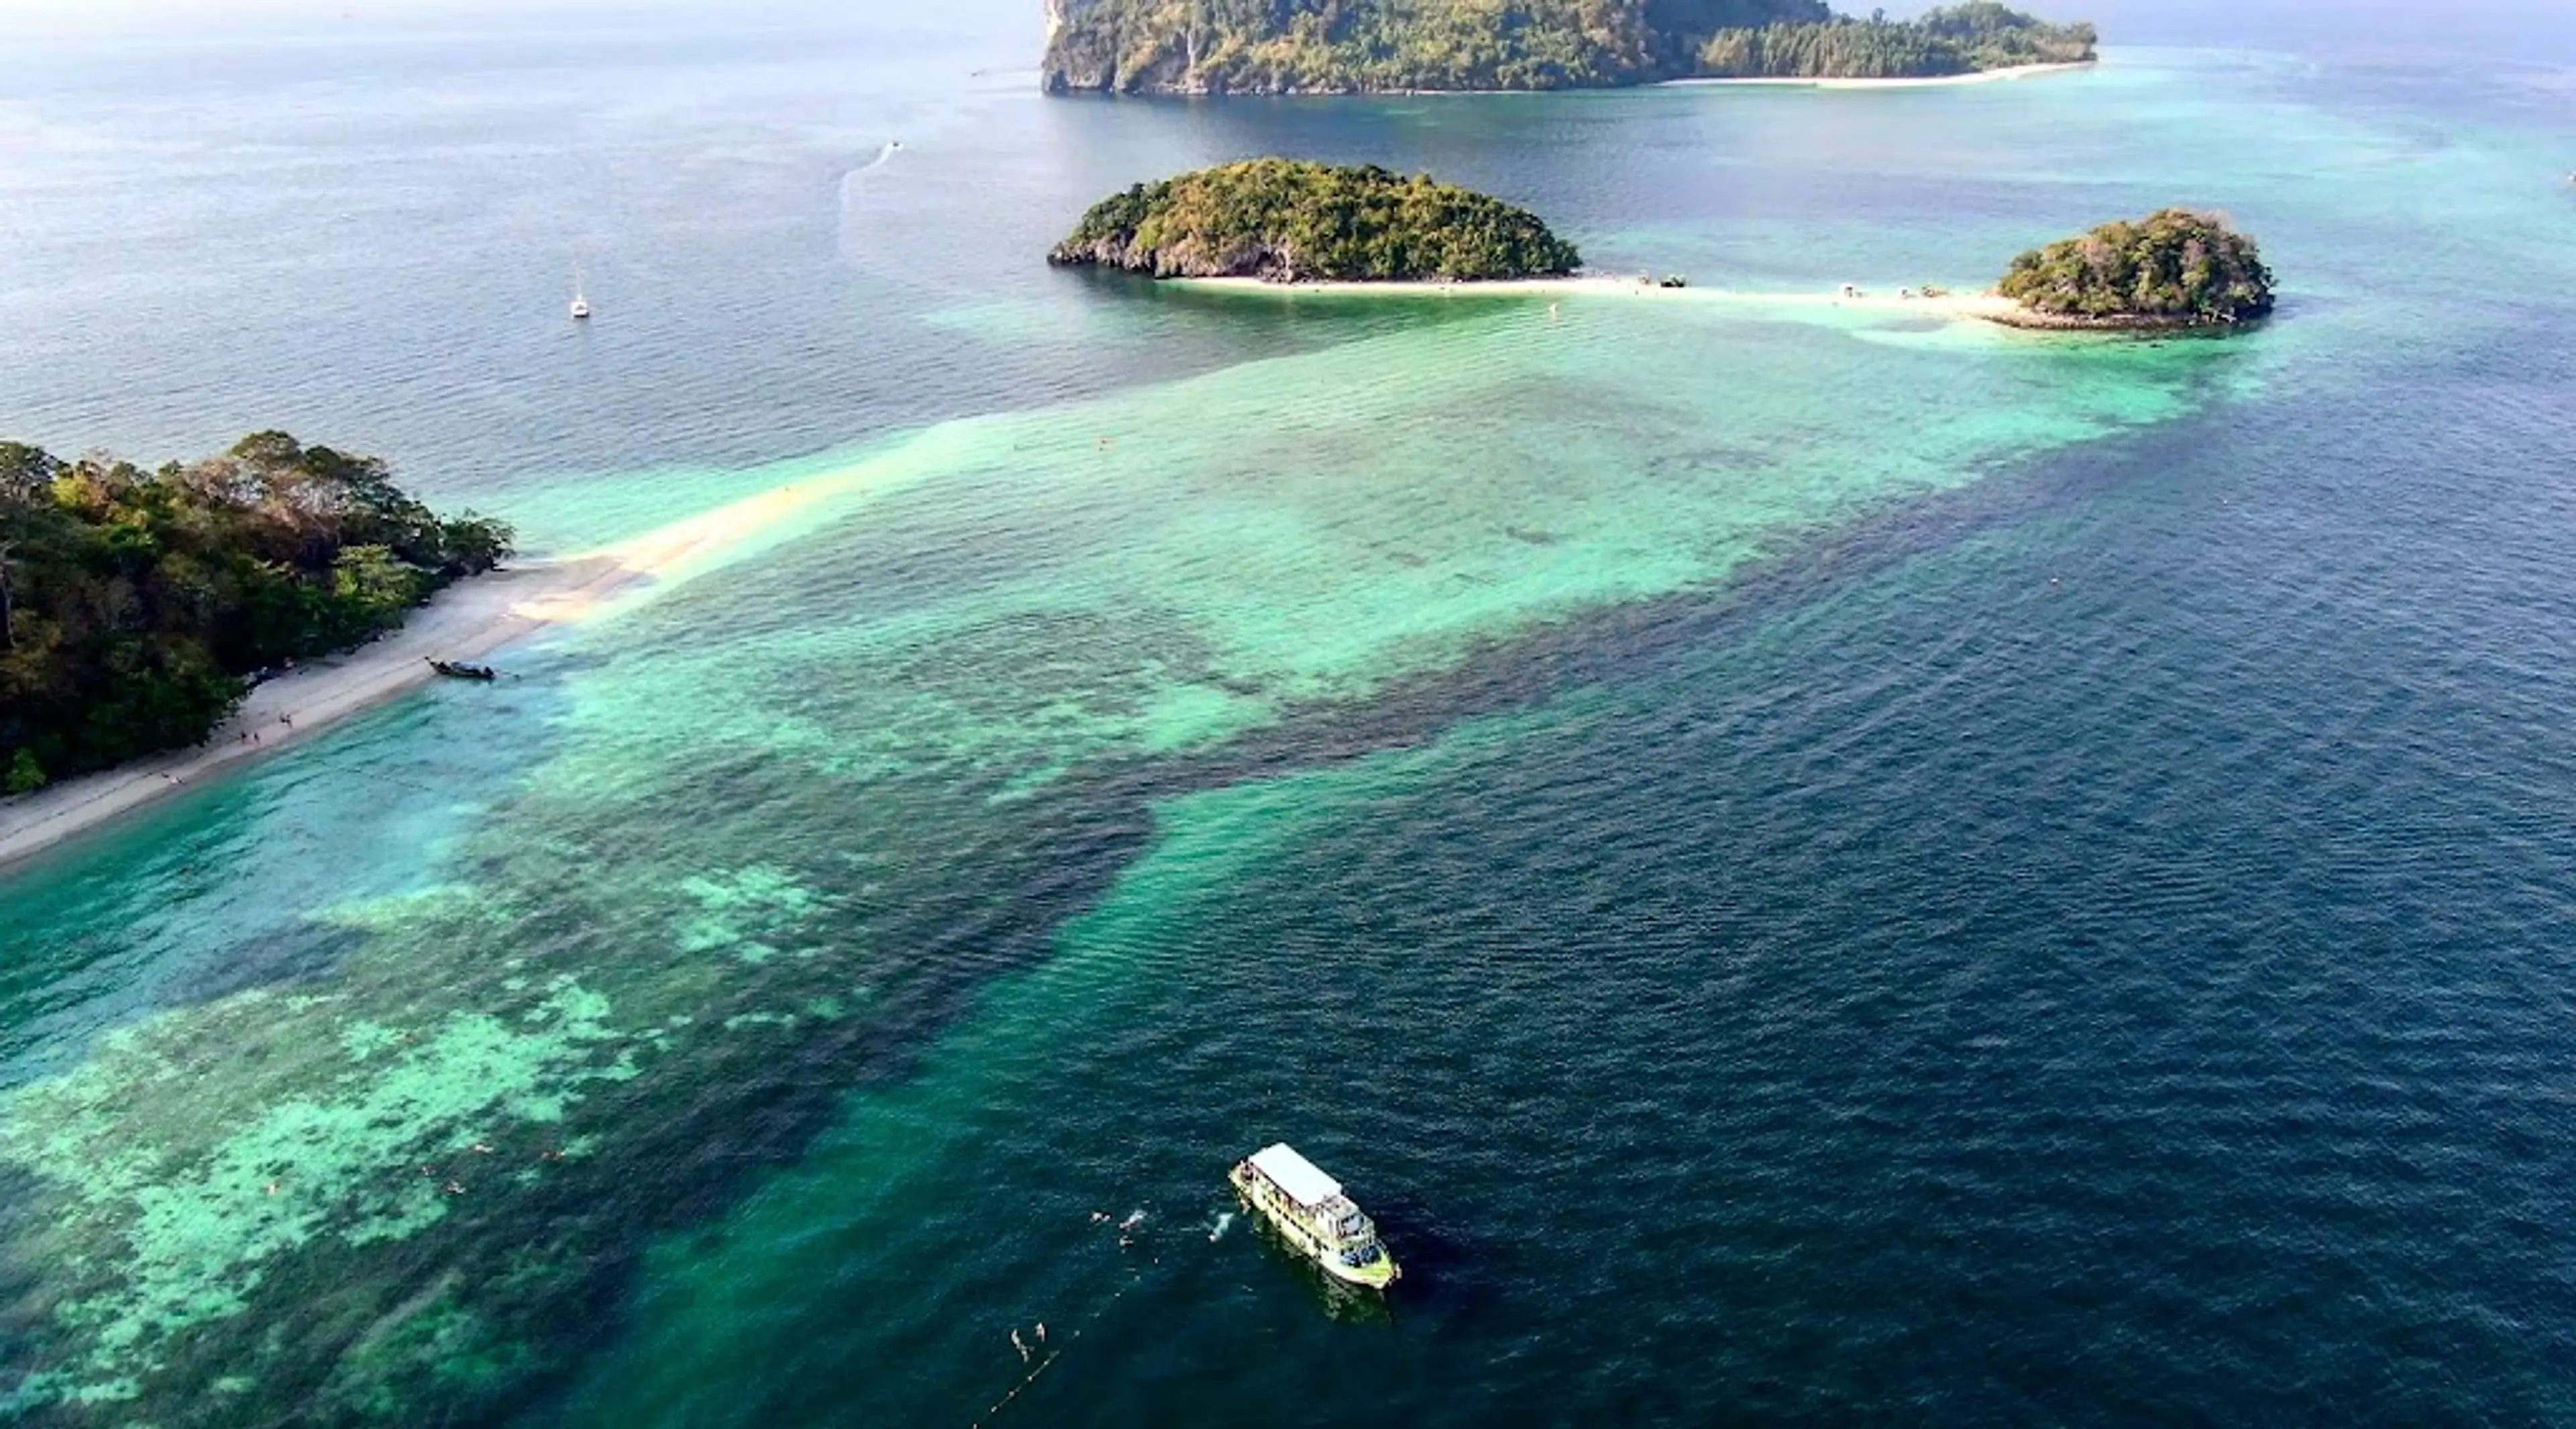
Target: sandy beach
(1953,306)
(1986,76)
(466,622)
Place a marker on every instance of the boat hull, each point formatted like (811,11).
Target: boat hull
(1377,1275)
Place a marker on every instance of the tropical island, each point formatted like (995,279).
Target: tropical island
(1384,46)
(136,606)
(2173,269)
(1287,225)
(1289,221)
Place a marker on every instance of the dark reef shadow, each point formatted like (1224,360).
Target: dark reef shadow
(1100,821)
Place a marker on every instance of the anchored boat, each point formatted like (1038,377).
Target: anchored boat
(1308,1207)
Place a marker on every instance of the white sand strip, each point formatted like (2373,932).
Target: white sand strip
(1983,76)
(1953,305)
(466,622)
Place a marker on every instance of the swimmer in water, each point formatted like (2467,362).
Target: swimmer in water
(1019,1344)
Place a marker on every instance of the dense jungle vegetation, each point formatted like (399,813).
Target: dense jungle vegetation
(135,605)
(1352,46)
(1962,39)
(1290,221)
(2173,268)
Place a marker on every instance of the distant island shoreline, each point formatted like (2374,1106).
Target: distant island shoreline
(1407,47)
(1934,81)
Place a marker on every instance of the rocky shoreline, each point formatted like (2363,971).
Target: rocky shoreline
(2033,320)
(1261,261)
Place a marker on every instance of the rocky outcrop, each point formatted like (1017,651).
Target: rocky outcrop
(2035,320)
(1268,261)
(1096,47)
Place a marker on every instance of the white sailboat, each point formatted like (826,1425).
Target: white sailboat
(580,300)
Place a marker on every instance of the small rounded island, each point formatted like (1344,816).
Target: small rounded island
(1290,221)
(2175,269)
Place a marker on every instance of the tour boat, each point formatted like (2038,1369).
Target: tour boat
(1308,1207)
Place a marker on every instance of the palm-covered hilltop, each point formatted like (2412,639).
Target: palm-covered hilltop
(1358,46)
(1290,221)
(133,603)
(2176,268)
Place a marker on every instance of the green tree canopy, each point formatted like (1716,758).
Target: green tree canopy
(2173,267)
(1345,46)
(1289,220)
(133,603)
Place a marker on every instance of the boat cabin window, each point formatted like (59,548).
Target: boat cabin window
(1348,1225)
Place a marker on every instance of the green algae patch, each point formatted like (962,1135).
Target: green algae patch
(170,1195)
(745,913)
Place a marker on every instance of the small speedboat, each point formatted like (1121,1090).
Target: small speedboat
(457,670)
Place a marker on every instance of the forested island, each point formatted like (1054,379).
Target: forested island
(2172,269)
(1377,46)
(1289,221)
(135,605)
(1963,39)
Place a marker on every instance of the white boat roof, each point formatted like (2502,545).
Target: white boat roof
(1303,1180)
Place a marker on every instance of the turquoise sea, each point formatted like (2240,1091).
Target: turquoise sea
(1809,866)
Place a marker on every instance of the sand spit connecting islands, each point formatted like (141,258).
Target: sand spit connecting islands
(1951,305)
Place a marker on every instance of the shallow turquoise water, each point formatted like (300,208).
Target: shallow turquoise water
(1805,866)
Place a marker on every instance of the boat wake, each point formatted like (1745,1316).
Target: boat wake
(1224,1222)
(884,157)
(850,185)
